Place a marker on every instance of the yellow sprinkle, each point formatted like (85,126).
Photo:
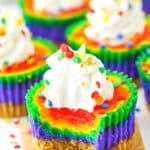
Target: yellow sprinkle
(19,21)
(105,18)
(90,61)
(83,83)
(7,120)
(30,60)
(82,56)
(2,31)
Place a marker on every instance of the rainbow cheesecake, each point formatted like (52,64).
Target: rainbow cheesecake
(22,62)
(146,6)
(80,105)
(143,66)
(49,18)
(116,33)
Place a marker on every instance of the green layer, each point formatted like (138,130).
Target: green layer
(106,54)
(48,20)
(28,74)
(105,121)
(143,74)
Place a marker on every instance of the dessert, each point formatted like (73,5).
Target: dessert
(22,62)
(143,66)
(49,18)
(115,31)
(80,105)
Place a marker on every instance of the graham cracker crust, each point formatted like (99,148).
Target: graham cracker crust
(8,110)
(148,107)
(137,82)
(133,143)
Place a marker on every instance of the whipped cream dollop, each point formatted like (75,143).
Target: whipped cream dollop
(55,6)
(76,80)
(114,22)
(15,38)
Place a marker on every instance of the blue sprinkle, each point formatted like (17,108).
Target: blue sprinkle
(137,109)
(104,105)
(103,46)
(148,50)
(119,36)
(129,44)
(44,57)
(49,102)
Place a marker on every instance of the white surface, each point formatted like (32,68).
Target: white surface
(143,117)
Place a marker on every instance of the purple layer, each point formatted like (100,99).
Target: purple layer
(52,32)
(106,139)
(128,67)
(14,92)
(146,6)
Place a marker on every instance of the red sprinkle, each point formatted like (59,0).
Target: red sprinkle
(16,122)
(95,94)
(120,13)
(17,146)
(64,47)
(23,32)
(98,84)
(69,54)
(12,135)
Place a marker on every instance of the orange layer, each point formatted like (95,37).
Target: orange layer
(80,117)
(137,39)
(34,61)
(65,13)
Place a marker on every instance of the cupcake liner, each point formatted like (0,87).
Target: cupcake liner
(144,76)
(120,60)
(41,129)
(13,87)
(49,27)
(53,32)
(146,6)
(107,138)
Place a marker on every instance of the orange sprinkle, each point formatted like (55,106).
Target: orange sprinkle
(99,100)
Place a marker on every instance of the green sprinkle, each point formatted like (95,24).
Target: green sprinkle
(47,82)
(60,56)
(116,84)
(77,59)
(102,70)
(3,20)
(5,63)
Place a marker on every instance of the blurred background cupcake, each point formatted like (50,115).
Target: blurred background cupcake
(115,31)
(146,6)
(80,105)
(143,65)
(22,62)
(49,18)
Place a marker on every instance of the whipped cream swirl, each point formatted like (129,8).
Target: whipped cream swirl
(56,6)
(115,22)
(15,38)
(76,80)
